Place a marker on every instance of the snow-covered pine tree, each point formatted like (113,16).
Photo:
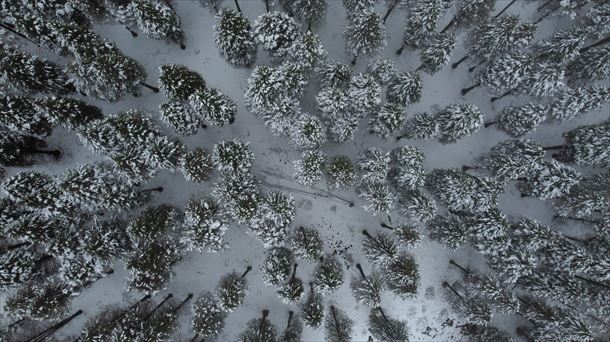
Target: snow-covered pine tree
(416,206)
(272,217)
(569,103)
(388,120)
(132,322)
(387,329)
(234,38)
(231,290)
(259,330)
(100,326)
(380,249)
(279,116)
(154,223)
(21,115)
(150,266)
(277,266)
(178,82)
(511,159)
(364,95)
(307,49)
(586,145)
(328,274)
(421,126)
(364,34)
(133,165)
(294,329)
(563,46)
(262,93)
(15,149)
(335,108)
(197,165)
(306,243)
(542,80)
(357,6)
(208,317)
(313,308)
(98,187)
(292,290)
(340,173)
(381,200)
(591,65)
(551,180)
(402,275)
(106,240)
(486,333)
(367,290)
(20,265)
(335,75)
(309,11)
(165,153)
(238,192)
(383,69)
(158,20)
(291,79)
(584,200)
(308,133)
(458,121)
(275,31)
(309,169)
(408,168)
(437,53)
(23,73)
(69,112)
(522,120)
(37,191)
(449,230)
(232,156)
(338,326)
(460,191)
(213,106)
(374,165)
(161,324)
(404,88)
(205,226)
(39,300)
(108,77)
(471,13)
(422,22)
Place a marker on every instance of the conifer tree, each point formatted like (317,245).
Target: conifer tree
(313,308)
(364,95)
(262,92)
(387,329)
(584,200)
(356,6)
(328,275)
(520,121)
(306,243)
(471,13)
(449,230)
(69,112)
(416,206)
(259,330)
(383,69)
(421,126)
(308,133)
(161,324)
(165,153)
(458,121)
(279,116)
(408,170)
(232,156)
(108,77)
(157,20)
(543,79)
(106,239)
(20,115)
(214,106)
(367,290)
(364,34)
(379,249)
(309,11)
(374,165)
(437,53)
(37,191)
(404,88)
(208,318)
(231,290)
(569,102)
(334,75)
(512,159)
(130,325)
(29,74)
(100,326)
(133,164)
(272,217)
(563,46)
(197,165)
(292,290)
(150,266)
(277,266)
(154,223)
(205,226)
(292,78)
(309,169)
(422,22)
(380,198)
(585,145)
(178,82)
(338,326)
(551,180)
(340,173)
(307,49)
(388,120)
(275,31)
(460,191)
(234,38)
(15,149)
(294,329)
(18,266)
(238,192)
(591,65)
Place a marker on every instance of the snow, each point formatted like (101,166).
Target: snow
(340,225)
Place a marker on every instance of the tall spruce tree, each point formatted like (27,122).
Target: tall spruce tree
(338,326)
(461,191)
(364,34)
(178,82)
(231,290)
(458,121)
(234,38)
(157,20)
(437,53)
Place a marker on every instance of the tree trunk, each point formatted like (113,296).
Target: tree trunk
(17,245)
(419,67)
(496,98)
(133,33)
(12,30)
(332,310)
(385,318)
(158,306)
(267,6)
(54,153)
(237,5)
(577,219)
(353,62)
(504,9)
(157,189)
(451,23)
(294,271)
(402,47)
(194,338)
(594,282)
(309,25)
(465,91)
(361,271)
(154,89)
(472,68)
(546,15)
(248,269)
(386,226)
(190,295)
(597,43)
(42,336)
(541,7)
(290,315)
(265,314)
(400,137)
(365,233)
(446,284)
(456,64)
(465,270)
(390,9)
(552,148)
(468,167)
(491,123)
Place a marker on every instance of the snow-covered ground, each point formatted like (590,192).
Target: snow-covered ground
(427,314)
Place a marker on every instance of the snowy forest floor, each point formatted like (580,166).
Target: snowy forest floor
(428,314)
